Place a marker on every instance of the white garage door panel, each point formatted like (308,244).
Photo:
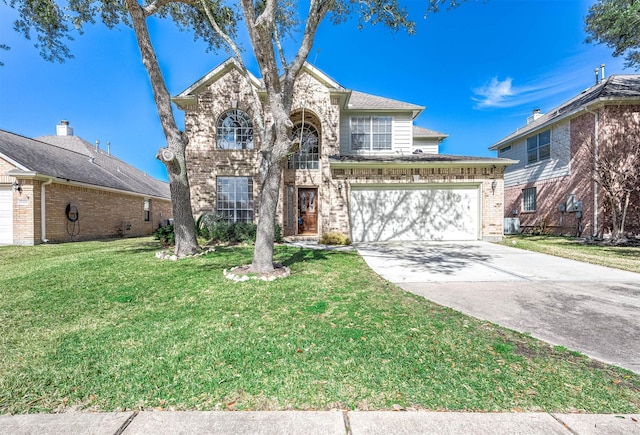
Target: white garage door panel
(6,216)
(391,213)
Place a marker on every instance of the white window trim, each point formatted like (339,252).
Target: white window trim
(370,150)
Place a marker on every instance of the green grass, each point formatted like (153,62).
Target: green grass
(625,258)
(106,326)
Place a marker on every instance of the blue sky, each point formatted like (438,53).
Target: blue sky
(479,69)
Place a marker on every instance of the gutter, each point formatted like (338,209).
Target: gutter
(43,212)
(595,169)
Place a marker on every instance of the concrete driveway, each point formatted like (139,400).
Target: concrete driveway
(592,309)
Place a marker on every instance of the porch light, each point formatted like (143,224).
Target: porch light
(339,185)
(494,184)
(16,186)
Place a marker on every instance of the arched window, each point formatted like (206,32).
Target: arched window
(234,131)
(308,156)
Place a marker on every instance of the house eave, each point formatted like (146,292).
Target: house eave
(407,162)
(31,175)
(601,101)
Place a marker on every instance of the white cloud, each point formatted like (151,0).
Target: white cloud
(496,93)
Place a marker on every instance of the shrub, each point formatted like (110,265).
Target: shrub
(165,235)
(334,239)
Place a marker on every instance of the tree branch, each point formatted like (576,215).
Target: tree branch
(154,6)
(255,100)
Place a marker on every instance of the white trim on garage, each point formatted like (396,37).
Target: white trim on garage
(6,215)
(388,212)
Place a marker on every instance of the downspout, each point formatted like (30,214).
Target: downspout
(43,212)
(595,168)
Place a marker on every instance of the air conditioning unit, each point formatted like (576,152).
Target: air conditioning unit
(512,226)
(572,203)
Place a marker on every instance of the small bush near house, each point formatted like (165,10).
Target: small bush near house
(213,228)
(334,239)
(165,236)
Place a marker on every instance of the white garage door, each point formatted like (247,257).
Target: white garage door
(384,213)
(6,216)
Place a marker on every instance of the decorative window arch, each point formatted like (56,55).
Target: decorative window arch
(308,155)
(234,131)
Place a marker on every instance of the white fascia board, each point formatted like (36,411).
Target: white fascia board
(187,96)
(13,162)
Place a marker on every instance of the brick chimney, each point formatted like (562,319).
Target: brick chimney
(63,129)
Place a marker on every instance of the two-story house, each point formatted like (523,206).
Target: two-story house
(552,186)
(361,166)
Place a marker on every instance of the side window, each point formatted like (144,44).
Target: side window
(234,131)
(529,199)
(147,210)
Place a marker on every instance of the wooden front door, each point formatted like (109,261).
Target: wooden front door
(307,211)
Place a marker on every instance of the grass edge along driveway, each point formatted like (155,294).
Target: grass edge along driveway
(106,326)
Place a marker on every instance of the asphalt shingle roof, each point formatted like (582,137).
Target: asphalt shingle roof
(616,87)
(425,132)
(360,100)
(68,158)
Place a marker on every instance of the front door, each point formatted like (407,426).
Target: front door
(307,211)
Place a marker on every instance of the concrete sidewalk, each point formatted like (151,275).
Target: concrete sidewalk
(325,422)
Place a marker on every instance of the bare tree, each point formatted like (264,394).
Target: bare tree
(616,169)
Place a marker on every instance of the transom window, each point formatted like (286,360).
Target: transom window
(234,131)
(371,133)
(308,156)
(539,147)
(234,199)
(529,199)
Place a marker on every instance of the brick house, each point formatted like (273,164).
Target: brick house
(61,188)
(362,168)
(552,185)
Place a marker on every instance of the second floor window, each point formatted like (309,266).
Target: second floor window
(539,147)
(371,133)
(308,155)
(234,131)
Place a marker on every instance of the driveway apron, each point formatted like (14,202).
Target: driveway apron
(591,309)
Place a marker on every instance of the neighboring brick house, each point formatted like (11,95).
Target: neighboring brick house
(362,168)
(61,188)
(556,153)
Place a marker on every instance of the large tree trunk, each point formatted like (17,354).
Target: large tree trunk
(174,155)
(269,193)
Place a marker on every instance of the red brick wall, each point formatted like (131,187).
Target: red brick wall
(101,214)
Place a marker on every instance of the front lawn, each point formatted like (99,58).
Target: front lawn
(106,326)
(619,257)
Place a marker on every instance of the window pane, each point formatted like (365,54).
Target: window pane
(308,155)
(235,199)
(544,138)
(532,143)
(545,152)
(529,199)
(234,131)
(532,156)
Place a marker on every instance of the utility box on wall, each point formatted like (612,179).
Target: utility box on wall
(511,226)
